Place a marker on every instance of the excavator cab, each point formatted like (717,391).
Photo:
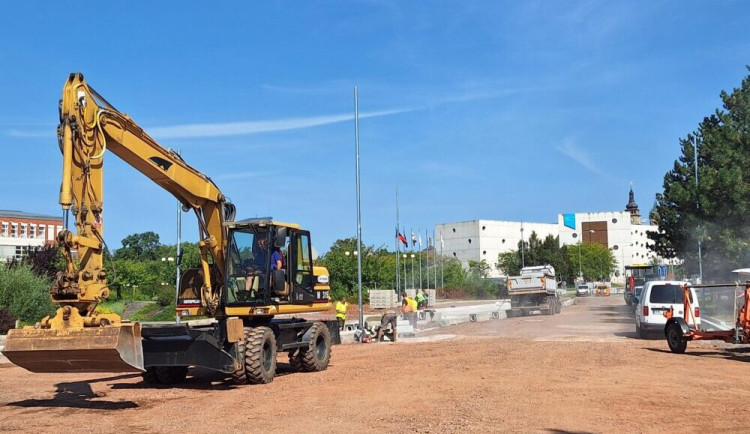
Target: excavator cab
(268,263)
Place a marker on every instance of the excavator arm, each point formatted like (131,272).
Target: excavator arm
(77,337)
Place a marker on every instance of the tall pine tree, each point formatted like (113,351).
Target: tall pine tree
(717,211)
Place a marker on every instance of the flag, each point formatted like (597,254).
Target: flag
(442,243)
(402,239)
(413,239)
(420,240)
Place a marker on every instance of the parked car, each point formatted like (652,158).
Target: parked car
(655,299)
(583,289)
(602,289)
(636,296)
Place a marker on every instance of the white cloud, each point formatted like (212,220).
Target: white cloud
(580,156)
(254,127)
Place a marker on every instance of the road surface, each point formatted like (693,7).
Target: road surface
(580,371)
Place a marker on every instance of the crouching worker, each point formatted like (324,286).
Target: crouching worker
(387,327)
(409,309)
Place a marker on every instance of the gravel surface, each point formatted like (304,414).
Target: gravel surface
(580,371)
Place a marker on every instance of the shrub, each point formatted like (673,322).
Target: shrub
(165,296)
(25,294)
(7,321)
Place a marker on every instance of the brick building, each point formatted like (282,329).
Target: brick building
(21,232)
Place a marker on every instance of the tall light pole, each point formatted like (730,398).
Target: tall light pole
(523,257)
(412,271)
(697,206)
(580,269)
(359,215)
(405,275)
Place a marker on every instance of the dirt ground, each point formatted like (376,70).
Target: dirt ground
(580,371)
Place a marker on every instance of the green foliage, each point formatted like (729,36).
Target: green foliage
(715,212)
(46,261)
(111,306)
(139,246)
(597,262)
(24,293)
(165,295)
(479,268)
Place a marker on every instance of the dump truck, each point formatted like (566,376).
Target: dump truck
(236,285)
(535,289)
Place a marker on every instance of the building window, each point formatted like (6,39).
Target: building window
(454,230)
(503,240)
(469,240)
(23,230)
(615,247)
(32,231)
(484,252)
(575,235)
(14,230)
(614,221)
(483,227)
(454,254)
(41,231)
(4,232)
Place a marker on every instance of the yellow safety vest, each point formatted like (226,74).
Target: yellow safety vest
(411,303)
(341,309)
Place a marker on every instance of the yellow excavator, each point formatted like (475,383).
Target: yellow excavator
(251,271)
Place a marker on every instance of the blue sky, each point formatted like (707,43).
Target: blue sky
(492,110)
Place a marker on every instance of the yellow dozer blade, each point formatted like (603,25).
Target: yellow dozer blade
(91,349)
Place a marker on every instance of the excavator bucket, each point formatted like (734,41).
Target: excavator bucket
(95,349)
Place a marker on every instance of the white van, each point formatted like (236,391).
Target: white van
(584,289)
(655,299)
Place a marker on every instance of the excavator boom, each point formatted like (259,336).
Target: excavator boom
(78,338)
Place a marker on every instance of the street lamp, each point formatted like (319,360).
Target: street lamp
(168,259)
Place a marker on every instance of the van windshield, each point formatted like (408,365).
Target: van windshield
(667,294)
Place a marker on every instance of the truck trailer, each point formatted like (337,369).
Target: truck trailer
(535,289)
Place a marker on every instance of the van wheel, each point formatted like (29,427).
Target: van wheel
(558,306)
(639,332)
(675,339)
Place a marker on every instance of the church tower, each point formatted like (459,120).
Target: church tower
(632,208)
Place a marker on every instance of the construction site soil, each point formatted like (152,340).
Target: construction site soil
(580,371)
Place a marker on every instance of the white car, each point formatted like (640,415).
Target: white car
(583,289)
(655,299)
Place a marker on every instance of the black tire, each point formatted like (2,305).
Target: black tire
(675,339)
(238,376)
(171,374)
(150,376)
(260,356)
(316,356)
(558,306)
(550,310)
(639,332)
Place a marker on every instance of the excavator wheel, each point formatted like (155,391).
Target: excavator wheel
(260,355)
(238,376)
(318,354)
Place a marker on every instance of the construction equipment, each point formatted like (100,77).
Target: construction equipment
(534,289)
(602,289)
(235,285)
(679,330)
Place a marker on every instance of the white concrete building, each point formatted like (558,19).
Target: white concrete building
(475,240)
(621,231)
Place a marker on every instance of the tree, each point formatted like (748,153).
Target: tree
(715,211)
(596,261)
(479,268)
(536,252)
(141,246)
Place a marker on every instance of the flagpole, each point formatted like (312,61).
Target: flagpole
(434,258)
(427,258)
(406,278)
(420,258)
(413,239)
(359,214)
(398,253)
(442,261)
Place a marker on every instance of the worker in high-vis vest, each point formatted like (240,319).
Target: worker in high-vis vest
(341,307)
(409,309)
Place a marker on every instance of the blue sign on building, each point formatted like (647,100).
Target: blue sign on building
(569,220)
(662,271)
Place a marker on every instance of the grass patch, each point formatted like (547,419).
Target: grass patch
(111,306)
(145,313)
(166,314)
